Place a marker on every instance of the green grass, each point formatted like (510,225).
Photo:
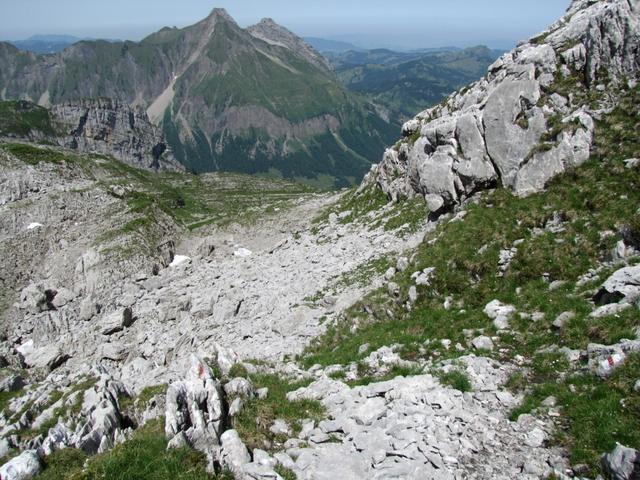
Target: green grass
(35,155)
(64,464)
(5,400)
(456,379)
(258,415)
(595,413)
(238,370)
(366,376)
(141,401)
(285,473)
(22,118)
(358,204)
(143,457)
(365,207)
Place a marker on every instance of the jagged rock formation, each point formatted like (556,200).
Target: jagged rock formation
(520,125)
(195,409)
(114,128)
(227,98)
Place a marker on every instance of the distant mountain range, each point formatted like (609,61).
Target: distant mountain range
(45,44)
(254,100)
(334,46)
(408,82)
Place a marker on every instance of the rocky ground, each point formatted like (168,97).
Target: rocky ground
(252,294)
(465,332)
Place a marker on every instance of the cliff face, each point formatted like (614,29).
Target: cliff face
(113,128)
(530,118)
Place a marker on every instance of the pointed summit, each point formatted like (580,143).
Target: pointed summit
(220,13)
(268,30)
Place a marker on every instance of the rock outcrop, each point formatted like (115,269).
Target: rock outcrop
(516,126)
(24,467)
(195,409)
(622,463)
(112,127)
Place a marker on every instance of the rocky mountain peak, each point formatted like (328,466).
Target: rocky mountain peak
(269,22)
(220,13)
(271,32)
(529,119)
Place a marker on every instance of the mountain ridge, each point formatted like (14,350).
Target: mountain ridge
(226,99)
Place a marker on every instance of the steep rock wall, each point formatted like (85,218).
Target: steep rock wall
(112,127)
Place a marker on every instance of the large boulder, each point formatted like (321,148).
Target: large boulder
(622,463)
(195,408)
(23,467)
(48,357)
(234,452)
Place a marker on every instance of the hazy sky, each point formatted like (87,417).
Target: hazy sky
(403,23)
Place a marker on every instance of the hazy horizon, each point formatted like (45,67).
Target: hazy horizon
(374,23)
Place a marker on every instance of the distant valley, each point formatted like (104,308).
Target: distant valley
(408,82)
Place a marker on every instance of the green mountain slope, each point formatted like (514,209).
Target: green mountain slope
(563,239)
(407,83)
(227,98)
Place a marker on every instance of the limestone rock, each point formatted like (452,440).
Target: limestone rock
(23,467)
(234,453)
(562,319)
(499,313)
(495,129)
(622,463)
(11,383)
(4,448)
(240,387)
(482,343)
(114,128)
(101,413)
(195,407)
(59,437)
(624,284)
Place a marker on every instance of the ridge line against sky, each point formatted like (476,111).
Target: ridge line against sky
(369,24)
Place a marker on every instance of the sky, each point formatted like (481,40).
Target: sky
(366,23)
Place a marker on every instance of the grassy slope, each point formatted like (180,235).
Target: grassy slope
(23,118)
(600,196)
